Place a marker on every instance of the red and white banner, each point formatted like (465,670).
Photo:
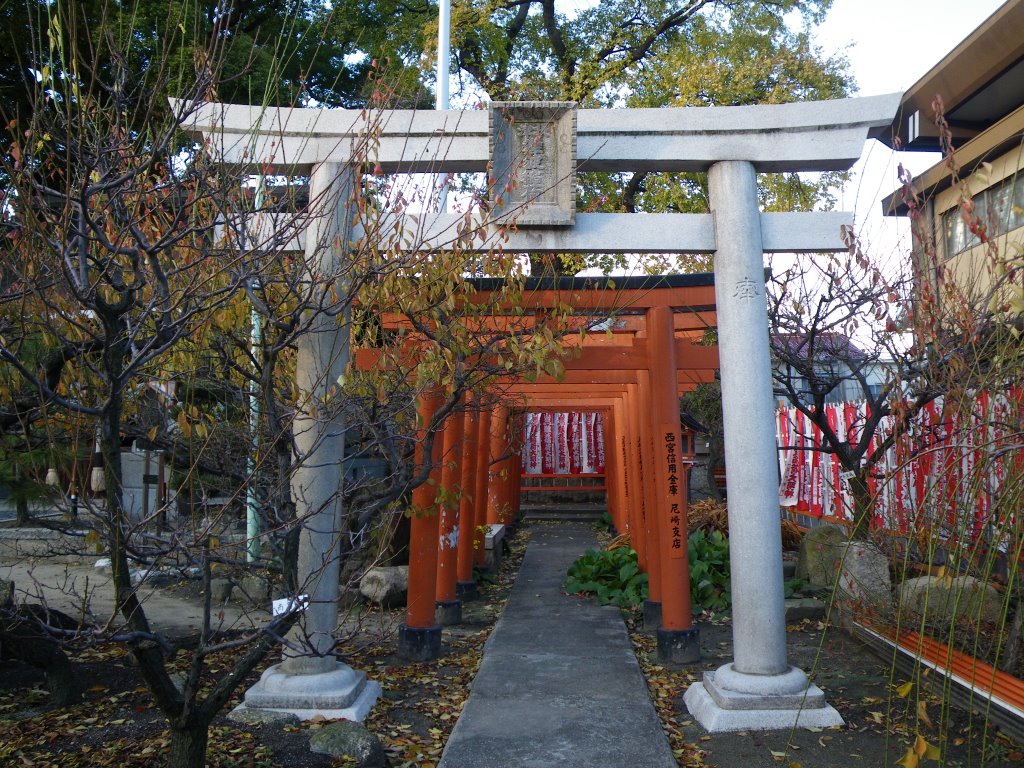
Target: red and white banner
(563,444)
(946,470)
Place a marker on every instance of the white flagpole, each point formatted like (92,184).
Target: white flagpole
(444,28)
(444,25)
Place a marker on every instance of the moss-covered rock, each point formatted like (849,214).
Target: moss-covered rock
(818,560)
(347,739)
(946,599)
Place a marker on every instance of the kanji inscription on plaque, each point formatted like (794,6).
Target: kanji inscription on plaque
(533,162)
(675,482)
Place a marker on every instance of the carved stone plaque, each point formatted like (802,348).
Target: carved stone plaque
(533,162)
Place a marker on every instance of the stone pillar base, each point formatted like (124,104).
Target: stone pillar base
(727,700)
(466,590)
(448,612)
(341,693)
(416,644)
(652,615)
(679,646)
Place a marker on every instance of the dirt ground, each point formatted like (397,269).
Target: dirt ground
(117,724)
(883,711)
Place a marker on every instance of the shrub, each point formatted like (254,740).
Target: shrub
(613,576)
(709,571)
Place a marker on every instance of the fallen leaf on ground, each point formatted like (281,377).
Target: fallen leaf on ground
(922,714)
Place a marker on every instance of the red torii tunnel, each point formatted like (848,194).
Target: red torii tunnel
(646,353)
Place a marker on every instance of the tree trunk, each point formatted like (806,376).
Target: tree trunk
(22,516)
(1014,640)
(65,688)
(862,506)
(188,746)
(285,510)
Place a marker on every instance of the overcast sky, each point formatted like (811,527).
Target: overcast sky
(891,44)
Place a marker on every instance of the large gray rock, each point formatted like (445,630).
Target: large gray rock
(254,590)
(386,586)
(220,590)
(243,714)
(945,599)
(865,586)
(347,739)
(180,680)
(818,560)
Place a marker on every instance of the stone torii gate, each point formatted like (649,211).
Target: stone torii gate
(533,150)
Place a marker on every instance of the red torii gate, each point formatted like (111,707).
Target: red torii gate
(635,377)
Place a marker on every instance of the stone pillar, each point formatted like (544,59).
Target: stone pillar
(311,681)
(419,637)
(758,689)
(449,607)
(678,639)
(465,586)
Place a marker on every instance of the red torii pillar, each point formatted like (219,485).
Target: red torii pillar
(501,470)
(616,484)
(645,447)
(678,639)
(419,637)
(465,585)
(634,480)
(448,606)
(515,485)
(477,484)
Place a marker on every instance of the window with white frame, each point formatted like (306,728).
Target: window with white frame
(993,212)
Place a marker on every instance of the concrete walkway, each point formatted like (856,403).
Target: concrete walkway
(559,684)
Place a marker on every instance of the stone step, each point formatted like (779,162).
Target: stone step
(573,512)
(799,608)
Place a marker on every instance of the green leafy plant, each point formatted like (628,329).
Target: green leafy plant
(613,577)
(709,571)
(604,522)
(792,586)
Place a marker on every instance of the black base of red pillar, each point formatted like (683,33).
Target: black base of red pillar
(652,615)
(419,644)
(448,612)
(679,646)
